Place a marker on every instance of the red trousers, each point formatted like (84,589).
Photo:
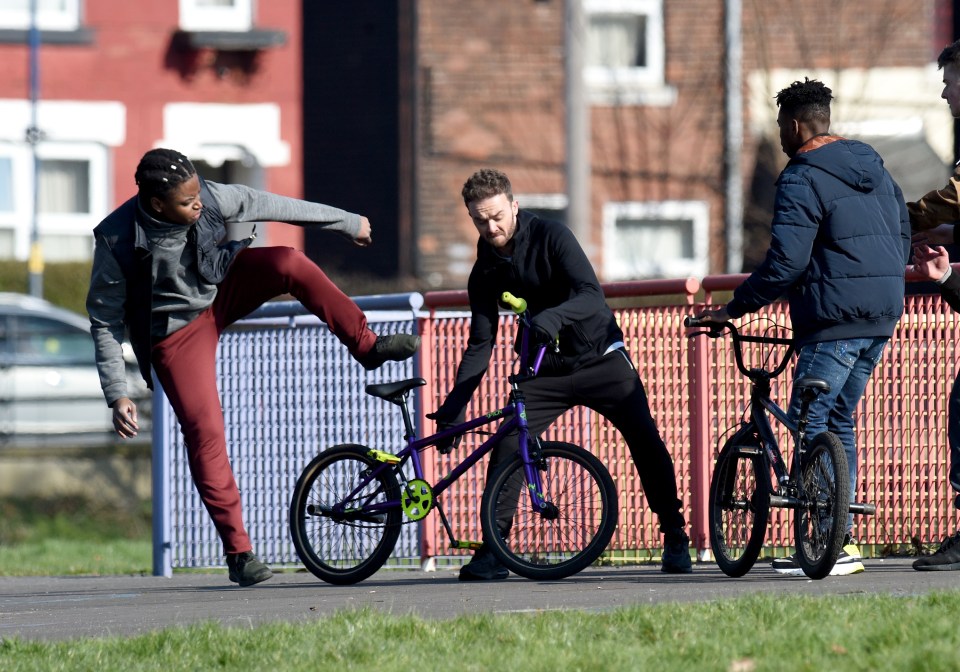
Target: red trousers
(185,362)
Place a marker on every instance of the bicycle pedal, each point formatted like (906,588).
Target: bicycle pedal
(466,545)
(381,456)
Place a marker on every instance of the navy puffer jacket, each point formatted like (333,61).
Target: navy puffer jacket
(840,244)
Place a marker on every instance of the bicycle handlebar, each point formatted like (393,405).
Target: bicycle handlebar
(518,306)
(716,330)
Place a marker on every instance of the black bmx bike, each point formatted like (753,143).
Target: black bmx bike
(750,475)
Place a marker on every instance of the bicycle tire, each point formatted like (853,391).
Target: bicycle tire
(346,549)
(820,525)
(582,521)
(739,507)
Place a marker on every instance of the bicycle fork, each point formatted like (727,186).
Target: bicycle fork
(532,463)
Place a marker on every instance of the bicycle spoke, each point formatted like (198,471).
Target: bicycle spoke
(574,529)
(336,535)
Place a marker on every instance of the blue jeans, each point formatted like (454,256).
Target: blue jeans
(847,365)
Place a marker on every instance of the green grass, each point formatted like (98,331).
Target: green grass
(73,536)
(750,634)
(743,635)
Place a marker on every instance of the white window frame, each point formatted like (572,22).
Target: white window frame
(556,202)
(21,175)
(631,85)
(697,212)
(79,225)
(236,18)
(66,18)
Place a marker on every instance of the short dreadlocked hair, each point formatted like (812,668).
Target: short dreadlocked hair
(486,183)
(160,171)
(807,101)
(949,56)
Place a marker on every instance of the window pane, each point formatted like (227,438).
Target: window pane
(51,14)
(6,244)
(6,184)
(42,5)
(653,241)
(617,41)
(64,186)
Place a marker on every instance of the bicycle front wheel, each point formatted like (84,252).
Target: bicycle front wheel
(739,507)
(573,530)
(336,535)
(821,523)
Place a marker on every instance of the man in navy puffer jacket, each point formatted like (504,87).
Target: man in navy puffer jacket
(840,242)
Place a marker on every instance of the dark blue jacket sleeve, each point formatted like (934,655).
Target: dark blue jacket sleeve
(797,213)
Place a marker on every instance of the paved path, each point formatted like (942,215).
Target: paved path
(55,608)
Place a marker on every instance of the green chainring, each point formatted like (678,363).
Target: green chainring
(417,499)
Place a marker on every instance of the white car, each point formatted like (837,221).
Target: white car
(49,386)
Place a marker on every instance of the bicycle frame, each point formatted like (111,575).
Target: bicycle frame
(762,407)
(514,419)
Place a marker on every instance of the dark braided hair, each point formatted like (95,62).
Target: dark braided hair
(806,101)
(484,184)
(160,171)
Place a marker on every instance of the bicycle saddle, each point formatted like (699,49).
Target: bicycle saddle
(394,391)
(816,384)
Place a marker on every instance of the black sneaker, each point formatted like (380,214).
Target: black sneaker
(246,569)
(946,558)
(676,553)
(392,348)
(483,566)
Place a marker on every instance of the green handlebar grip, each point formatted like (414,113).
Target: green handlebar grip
(517,305)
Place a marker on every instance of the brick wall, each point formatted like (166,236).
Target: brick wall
(131,59)
(491,92)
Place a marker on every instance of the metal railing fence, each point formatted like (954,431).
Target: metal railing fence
(290,389)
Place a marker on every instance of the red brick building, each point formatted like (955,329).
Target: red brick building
(220,81)
(488,84)
(384,108)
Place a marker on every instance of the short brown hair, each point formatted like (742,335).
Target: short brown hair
(486,183)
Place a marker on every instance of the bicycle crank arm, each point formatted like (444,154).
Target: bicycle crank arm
(782,502)
(863,508)
(350,515)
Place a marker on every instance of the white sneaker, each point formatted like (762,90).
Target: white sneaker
(848,562)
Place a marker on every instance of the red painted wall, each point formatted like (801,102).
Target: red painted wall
(132,60)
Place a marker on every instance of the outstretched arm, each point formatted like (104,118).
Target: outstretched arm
(240,203)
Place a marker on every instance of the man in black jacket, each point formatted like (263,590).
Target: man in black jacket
(542,262)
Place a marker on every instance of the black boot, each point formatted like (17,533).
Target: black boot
(484,566)
(246,569)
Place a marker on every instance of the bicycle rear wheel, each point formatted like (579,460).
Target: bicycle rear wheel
(739,507)
(820,525)
(572,532)
(335,538)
